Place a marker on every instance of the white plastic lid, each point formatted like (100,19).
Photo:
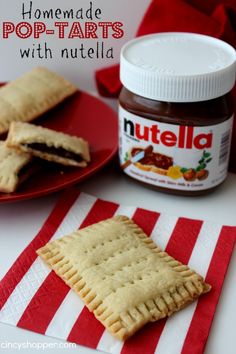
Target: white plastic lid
(178,67)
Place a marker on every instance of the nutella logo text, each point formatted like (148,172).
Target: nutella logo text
(184,139)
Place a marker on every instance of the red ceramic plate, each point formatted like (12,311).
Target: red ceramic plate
(82,115)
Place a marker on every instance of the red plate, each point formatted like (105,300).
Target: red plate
(82,115)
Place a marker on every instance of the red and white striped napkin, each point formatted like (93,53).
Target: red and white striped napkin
(34,298)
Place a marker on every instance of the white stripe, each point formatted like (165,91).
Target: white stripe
(125,210)
(65,317)
(23,293)
(176,328)
(75,216)
(107,342)
(204,248)
(163,230)
(37,273)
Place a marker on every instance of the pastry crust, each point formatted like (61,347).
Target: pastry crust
(31,95)
(23,134)
(11,163)
(121,275)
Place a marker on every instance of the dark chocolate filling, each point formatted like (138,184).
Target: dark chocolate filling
(61,152)
(153,158)
(28,170)
(24,170)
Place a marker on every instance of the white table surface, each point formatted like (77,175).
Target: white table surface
(110,184)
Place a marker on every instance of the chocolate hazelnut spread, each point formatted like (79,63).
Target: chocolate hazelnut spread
(176,114)
(57,151)
(152,158)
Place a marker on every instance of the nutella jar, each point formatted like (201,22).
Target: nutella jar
(176,113)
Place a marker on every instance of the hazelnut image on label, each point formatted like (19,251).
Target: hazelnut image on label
(202,174)
(190,175)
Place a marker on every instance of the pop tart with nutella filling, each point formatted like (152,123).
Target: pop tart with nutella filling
(48,144)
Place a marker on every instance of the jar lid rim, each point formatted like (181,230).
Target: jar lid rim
(167,66)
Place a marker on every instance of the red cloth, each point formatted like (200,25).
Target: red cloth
(212,17)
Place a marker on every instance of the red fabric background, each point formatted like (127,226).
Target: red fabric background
(212,17)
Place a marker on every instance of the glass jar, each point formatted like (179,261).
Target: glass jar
(176,113)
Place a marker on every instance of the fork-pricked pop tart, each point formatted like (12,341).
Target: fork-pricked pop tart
(31,95)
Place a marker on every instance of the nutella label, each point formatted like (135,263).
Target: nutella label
(174,156)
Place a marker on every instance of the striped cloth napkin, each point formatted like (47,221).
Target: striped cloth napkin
(34,298)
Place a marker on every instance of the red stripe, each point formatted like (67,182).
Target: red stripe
(87,330)
(53,290)
(145,219)
(100,211)
(28,256)
(44,304)
(183,239)
(180,246)
(199,328)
